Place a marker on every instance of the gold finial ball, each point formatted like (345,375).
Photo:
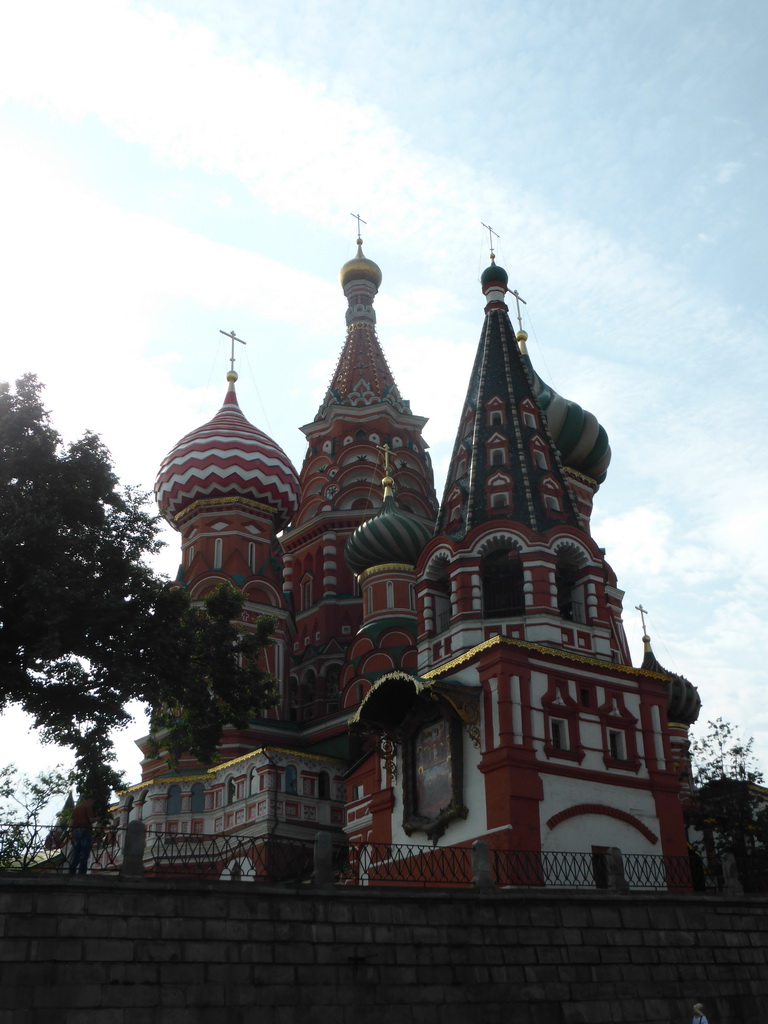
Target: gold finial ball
(387,481)
(521,336)
(232,376)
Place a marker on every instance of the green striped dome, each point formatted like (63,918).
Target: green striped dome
(580,439)
(683,701)
(391,536)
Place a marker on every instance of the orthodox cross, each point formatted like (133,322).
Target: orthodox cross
(233,338)
(491,234)
(518,300)
(643,613)
(360,221)
(386,451)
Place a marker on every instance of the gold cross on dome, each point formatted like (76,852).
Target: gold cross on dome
(491,235)
(387,451)
(360,221)
(233,338)
(518,300)
(643,613)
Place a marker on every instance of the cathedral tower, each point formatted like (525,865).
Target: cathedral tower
(362,411)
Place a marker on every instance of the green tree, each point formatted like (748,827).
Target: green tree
(25,810)
(85,624)
(730,808)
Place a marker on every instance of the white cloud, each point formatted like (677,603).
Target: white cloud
(728,170)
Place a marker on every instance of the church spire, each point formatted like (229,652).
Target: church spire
(504,464)
(362,376)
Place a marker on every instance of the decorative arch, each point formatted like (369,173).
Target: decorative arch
(499,540)
(608,812)
(569,549)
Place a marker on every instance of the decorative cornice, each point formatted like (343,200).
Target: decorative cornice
(581,476)
(272,750)
(388,566)
(554,652)
(161,778)
(227,764)
(249,502)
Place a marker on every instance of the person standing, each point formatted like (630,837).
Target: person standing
(698,1014)
(83,818)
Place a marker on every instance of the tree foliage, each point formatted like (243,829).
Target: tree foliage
(85,624)
(24,798)
(729,808)
(25,809)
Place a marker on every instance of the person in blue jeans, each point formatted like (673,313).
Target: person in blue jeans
(83,817)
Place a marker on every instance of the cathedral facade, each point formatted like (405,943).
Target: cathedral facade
(449,671)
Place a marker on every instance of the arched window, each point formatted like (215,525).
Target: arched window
(503,584)
(252,556)
(254,781)
(197,804)
(390,594)
(360,435)
(291,779)
(360,503)
(440,588)
(231,791)
(173,800)
(332,676)
(324,786)
(218,553)
(570,596)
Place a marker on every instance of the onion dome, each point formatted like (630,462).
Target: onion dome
(390,537)
(227,458)
(580,439)
(683,701)
(493,274)
(359,268)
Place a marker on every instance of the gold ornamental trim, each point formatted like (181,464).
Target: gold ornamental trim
(273,750)
(385,566)
(554,652)
(249,502)
(206,777)
(162,778)
(581,476)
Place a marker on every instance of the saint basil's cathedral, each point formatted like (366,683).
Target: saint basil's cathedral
(448,671)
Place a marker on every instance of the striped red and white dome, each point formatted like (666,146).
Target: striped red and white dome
(227,457)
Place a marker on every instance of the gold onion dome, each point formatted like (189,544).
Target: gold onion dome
(360,268)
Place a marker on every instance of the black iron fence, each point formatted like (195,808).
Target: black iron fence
(29,847)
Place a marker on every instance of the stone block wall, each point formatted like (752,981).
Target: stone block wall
(112,951)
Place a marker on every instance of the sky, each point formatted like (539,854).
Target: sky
(176,168)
